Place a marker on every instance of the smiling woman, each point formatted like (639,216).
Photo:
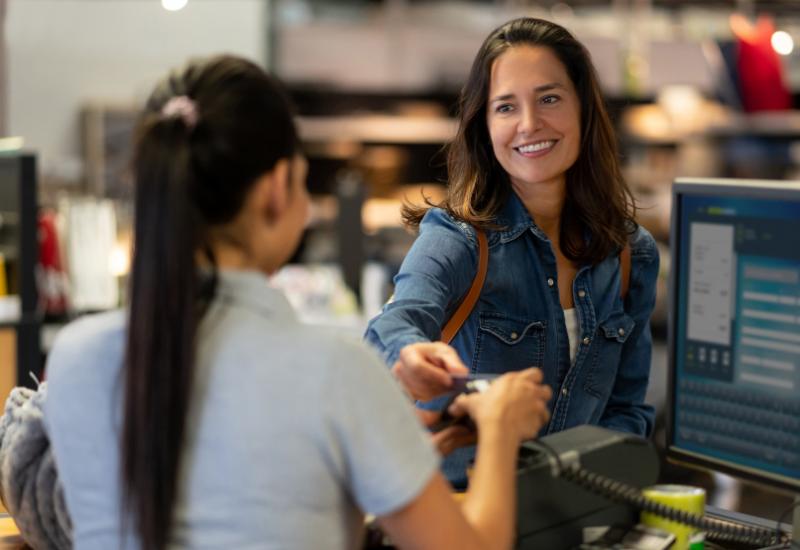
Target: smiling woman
(534,165)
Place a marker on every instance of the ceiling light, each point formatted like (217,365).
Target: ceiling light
(782,42)
(174,5)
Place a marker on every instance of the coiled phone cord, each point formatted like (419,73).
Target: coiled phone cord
(618,491)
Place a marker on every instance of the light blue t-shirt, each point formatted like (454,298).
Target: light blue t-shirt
(292,430)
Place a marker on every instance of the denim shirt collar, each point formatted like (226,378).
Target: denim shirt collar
(514,219)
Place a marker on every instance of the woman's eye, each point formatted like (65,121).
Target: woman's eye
(504,108)
(550,99)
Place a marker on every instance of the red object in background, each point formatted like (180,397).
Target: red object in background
(761,78)
(51,279)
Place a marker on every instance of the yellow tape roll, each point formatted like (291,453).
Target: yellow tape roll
(683,497)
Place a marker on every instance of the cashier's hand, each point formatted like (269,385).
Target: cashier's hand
(515,404)
(450,438)
(425,368)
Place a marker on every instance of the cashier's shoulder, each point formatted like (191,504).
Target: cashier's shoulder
(345,351)
(89,341)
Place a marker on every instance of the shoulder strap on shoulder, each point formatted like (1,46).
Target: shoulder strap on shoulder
(466,306)
(625,270)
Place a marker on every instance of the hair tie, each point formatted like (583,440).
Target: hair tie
(181,106)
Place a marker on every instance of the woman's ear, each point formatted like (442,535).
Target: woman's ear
(276,192)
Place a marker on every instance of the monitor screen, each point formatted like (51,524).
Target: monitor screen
(734,384)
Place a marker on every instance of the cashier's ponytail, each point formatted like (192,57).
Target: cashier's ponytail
(207,134)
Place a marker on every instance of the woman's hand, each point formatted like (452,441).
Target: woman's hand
(425,369)
(515,403)
(449,439)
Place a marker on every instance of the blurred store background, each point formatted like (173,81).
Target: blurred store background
(695,87)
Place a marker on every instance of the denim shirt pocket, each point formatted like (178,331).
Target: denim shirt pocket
(611,336)
(507,343)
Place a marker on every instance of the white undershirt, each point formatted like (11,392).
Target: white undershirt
(571,320)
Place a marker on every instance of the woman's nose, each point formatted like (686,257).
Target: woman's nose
(530,121)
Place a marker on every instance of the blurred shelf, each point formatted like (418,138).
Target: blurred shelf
(377,129)
(780,124)
(775,124)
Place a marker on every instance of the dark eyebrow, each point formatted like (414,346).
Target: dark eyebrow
(548,87)
(501,98)
(539,89)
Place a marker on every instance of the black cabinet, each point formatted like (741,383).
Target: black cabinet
(20,249)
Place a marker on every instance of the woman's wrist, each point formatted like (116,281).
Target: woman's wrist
(496,435)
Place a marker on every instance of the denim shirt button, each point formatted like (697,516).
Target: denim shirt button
(586,340)
(514,335)
(564,391)
(550,281)
(621,332)
(581,293)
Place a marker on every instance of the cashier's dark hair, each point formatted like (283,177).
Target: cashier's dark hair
(207,133)
(598,200)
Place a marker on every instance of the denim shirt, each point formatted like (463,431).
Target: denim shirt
(518,321)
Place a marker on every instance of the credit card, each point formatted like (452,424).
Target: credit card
(472,383)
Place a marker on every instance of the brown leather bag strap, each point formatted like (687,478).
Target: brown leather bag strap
(625,268)
(454,324)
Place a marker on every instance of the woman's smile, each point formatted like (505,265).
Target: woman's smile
(536,149)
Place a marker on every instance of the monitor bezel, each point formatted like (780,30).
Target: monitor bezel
(723,187)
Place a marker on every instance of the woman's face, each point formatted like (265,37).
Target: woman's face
(533,116)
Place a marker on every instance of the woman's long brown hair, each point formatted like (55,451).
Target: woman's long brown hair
(598,200)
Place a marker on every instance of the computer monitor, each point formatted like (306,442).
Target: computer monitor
(734,342)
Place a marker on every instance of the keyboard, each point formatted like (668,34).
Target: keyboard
(735,421)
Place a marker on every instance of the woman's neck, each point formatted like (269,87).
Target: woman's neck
(231,258)
(544,202)
(228,253)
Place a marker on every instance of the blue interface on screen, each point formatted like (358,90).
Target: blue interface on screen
(737,347)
